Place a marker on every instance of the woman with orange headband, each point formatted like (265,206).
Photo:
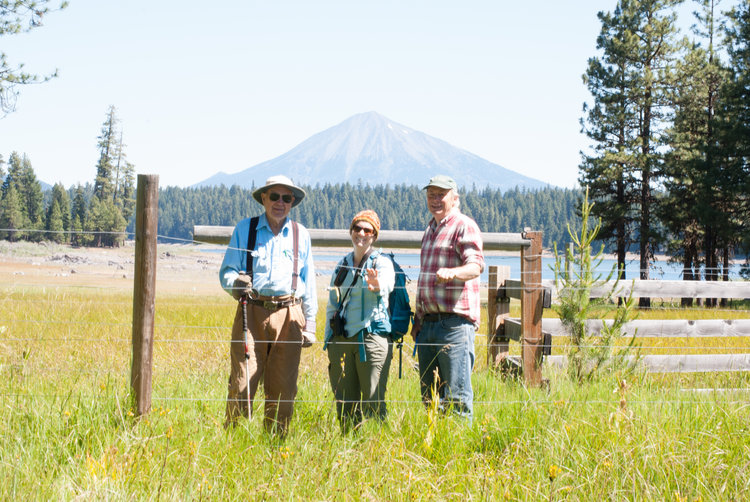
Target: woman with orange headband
(358,325)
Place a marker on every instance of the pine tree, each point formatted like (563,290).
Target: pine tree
(610,122)
(698,203)
(632,114)
(16,17)
(113,187)
(79,215)
(32,199)
(11,215)
(60,201)
(127,192)
(16,205)
(55,223)
(108,148)
(733,118)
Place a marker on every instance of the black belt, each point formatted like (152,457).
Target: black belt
(439,317)
(275,304)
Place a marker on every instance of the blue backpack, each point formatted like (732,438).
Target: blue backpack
(398,303)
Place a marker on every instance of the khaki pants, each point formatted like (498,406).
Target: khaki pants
(359,386)
(275,345)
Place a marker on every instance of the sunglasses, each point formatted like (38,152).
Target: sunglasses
(357,229)
(274,196)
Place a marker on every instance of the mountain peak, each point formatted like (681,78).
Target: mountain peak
(376,150)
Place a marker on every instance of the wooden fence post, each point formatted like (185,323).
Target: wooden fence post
(532,305)
(498,309)
(144,289)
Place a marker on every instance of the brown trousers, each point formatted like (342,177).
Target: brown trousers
(275,345)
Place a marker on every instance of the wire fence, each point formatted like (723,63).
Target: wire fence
(80,333)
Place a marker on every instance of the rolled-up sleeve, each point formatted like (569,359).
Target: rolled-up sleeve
(470,245)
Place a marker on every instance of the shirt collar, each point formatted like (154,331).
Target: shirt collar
(263,222)
(448,217)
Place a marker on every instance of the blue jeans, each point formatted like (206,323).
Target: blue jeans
(446,347)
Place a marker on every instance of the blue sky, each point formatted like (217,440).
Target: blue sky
(205,87)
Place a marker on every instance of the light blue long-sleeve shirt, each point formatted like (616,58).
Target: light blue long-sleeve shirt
(363,308)
(273,264)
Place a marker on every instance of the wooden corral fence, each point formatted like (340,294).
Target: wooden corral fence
(530,292)
(531,330)
(529,244)
(507,329)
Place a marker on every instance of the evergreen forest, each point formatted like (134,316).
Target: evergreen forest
(401,207)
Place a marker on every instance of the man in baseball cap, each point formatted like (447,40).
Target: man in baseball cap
(447,303)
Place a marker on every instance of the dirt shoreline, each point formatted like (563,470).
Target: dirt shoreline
(187,268)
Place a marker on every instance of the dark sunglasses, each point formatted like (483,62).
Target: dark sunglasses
(357,229)
(274,196)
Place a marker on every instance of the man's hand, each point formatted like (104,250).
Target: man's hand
(308,338)
(243,285)
(463,273)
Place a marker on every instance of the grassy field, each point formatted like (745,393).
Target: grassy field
(67,432)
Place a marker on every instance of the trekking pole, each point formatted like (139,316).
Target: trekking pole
(243,301)
(400,353)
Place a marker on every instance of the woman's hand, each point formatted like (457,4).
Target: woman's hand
(373,284)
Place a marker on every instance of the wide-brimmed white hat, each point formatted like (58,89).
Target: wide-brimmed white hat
(282,180)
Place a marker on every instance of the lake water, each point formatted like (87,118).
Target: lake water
(660,270)
(409,261)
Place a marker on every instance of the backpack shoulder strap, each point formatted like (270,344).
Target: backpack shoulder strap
(340,273)
(295,251)
(252,232)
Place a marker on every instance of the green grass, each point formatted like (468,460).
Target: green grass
(67,432)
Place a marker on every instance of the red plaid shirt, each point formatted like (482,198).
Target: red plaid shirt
(455,242)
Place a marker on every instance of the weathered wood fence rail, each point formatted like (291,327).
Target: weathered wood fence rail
(509,329)
(530,292)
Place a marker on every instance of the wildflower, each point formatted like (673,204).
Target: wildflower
(66,413)
(170,431)
(553,472)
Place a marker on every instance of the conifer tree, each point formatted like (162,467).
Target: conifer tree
(32,199)
(733,116)
(127,192)
(18,17)
(11,216)
(610,122)
(696,207)
(639,72)
(78,217)
(113,187)
(55,223)
(60,201)
(108,148)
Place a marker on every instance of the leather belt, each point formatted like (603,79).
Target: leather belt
(275,304)
(439,317)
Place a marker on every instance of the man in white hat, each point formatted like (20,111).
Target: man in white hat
(278,286)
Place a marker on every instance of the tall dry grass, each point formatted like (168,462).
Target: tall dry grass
(67,432)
